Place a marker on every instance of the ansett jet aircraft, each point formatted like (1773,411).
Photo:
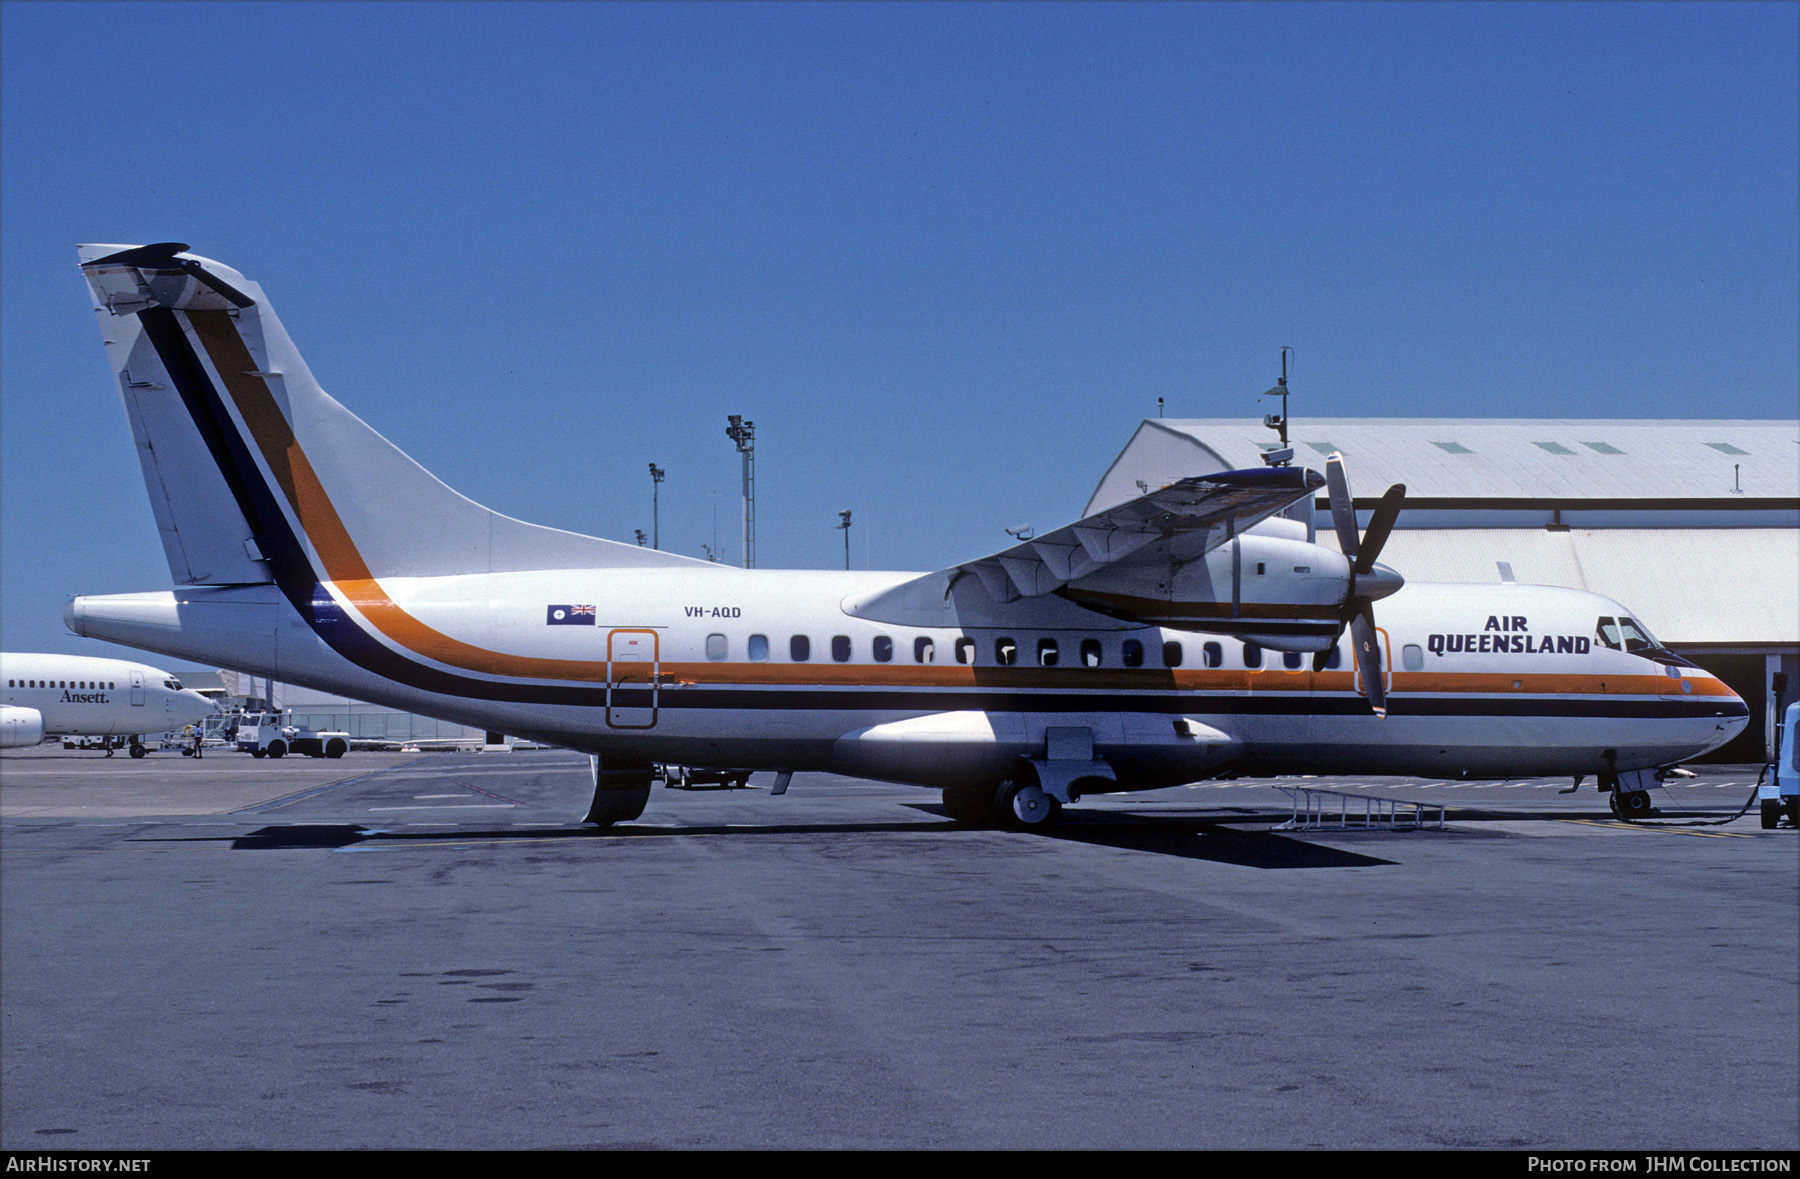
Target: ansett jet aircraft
(84,696)
(1185,634)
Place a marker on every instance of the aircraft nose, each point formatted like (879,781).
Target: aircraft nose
(1378,582)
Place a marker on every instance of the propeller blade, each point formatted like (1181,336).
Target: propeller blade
(1380,524)
(1364,641)
(1343,509)
(1322,658)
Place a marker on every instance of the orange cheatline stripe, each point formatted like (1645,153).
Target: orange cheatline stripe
(319,520)
(346,570)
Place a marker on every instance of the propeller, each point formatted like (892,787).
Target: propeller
(1368,581)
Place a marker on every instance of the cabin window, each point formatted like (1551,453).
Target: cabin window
(1335,660)
(1290,660)
(799,648)
(1412,657)
(884,649)
(965,650)
(1006,652)
(759,648)
(1171,654)
(1131,653)
(840,648)
(1212,655)
(1090,652)
(717,647)
(1047,653)
(924,650)
(1252,655)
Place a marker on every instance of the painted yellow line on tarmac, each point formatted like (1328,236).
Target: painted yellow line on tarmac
(1640,827)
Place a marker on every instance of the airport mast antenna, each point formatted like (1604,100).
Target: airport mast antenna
(844,523)
(744,434)
(656,478)
(1284,454)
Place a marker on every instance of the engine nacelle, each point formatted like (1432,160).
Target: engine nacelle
(1276,591)
(20,726)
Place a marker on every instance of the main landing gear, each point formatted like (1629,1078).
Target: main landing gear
(621,789)
(1020,804)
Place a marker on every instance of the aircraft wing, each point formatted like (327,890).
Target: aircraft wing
(1148,535)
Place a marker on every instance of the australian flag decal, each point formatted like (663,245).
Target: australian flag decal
(569,616)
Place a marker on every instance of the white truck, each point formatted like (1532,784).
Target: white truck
(266,734)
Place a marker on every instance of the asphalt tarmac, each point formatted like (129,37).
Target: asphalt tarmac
(430,951)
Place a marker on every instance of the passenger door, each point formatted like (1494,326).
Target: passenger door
(632,668)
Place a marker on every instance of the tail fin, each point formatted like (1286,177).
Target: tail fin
(255,474)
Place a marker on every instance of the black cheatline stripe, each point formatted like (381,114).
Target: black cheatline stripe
(299,583)
(288,563)
(208,414)
(1297,704)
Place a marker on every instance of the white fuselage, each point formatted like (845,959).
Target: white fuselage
(82,695)
(726,667)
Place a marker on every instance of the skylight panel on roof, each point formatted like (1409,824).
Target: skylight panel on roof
(1324,447)
(1452,448)
(1726,448)
(1603,447)
(1553,447)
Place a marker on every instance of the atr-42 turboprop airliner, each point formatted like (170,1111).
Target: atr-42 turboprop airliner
(87,696)
(1185,634)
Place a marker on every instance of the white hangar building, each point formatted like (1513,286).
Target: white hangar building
(1693,525)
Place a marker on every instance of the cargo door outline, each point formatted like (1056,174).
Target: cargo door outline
(633,666)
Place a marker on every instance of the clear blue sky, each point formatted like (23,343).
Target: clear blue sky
(944,256)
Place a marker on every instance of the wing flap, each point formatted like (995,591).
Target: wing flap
(1169,526)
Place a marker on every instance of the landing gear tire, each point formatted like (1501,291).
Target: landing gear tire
(1027,808)
(621,790)
(1771,813)
(1632,804)
(137,750)
(973,806)
(617,806)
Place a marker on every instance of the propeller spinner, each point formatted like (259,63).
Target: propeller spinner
(1368,581)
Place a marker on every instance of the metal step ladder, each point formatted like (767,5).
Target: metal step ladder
(1319,809)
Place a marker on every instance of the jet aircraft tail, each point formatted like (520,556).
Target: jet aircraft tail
(255,474)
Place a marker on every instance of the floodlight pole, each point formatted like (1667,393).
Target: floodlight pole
(844,523)
(656,478)
(1283,455)
(744,434)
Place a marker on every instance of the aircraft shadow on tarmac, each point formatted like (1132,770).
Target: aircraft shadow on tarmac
(1184,838)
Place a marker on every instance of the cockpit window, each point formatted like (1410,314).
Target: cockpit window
(1607,631)
(1636,637)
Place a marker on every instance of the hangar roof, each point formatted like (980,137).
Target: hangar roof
(1691,586)
(1485,458)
